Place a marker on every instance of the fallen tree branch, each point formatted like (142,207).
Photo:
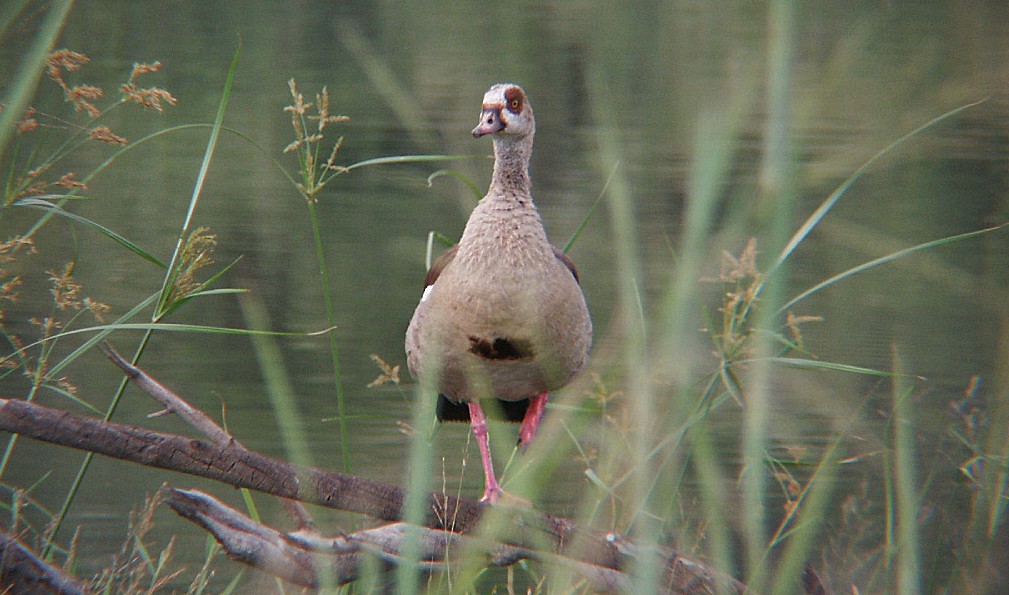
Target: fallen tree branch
(228,464)
(236,466)
(21,571)
(172,402)
(302,559)
(598,557)
(196,418)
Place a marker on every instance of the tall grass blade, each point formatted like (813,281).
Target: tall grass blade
(812,364)
(885,259)
(825,207)
(41,203)
(101,335)
(105,165)
(150,327)
(419,471)
(808,511)
(400,159)
(777,202)
(208,153)
(470,184)
(279,388)
(640,387)
(715,499)
(592,209)
(328,303)
(905,484)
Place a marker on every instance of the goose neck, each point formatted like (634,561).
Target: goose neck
(511,165)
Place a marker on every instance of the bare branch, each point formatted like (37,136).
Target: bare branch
(175,404)
(229,464)
(21,571)
(172,402)
(301,561)
(256,545)
(528,530)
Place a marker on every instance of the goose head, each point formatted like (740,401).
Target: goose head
(506,113)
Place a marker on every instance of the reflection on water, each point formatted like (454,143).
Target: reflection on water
(411,78)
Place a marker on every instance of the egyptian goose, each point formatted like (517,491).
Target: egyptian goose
(502,315)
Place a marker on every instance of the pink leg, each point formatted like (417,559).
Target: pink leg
(479,424)
(531,422)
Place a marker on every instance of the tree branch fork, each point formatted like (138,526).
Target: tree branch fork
(304,557)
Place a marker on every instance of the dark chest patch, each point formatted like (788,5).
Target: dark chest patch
(500,348)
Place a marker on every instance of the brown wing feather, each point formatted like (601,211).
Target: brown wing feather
(439,265)
(567,262)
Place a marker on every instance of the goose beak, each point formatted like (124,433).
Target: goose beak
(490,122)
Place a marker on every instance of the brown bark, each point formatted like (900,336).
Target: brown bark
(230,464)
(303,558)
(172,402)
(308,559)
(21,571)
(236,466)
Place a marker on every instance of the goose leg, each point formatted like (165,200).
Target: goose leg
(478,422)
(531,421)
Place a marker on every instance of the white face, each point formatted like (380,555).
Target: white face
(505,111)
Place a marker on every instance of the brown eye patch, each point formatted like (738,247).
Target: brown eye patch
(514,99)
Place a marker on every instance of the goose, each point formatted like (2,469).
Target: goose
(502,315)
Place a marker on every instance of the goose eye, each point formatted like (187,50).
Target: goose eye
(514,98)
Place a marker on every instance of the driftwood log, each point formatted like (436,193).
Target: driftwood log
(601,558)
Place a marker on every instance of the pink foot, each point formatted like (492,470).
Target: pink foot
(531,422)
(492,491)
